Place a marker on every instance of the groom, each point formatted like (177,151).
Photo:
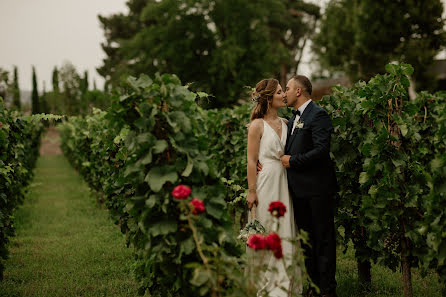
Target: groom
(312,182)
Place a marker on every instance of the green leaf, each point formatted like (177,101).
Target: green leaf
(202,95)
(199,278)
(190,165)
(404,129)
(214,211)
(407,69)
(178,120)
(146,138)
(158,176)
(187,246)
(398,163)
(151,201)
(162,228)
(373,190)
(405,82)
(147,159)
(391,68)
(363,178)
(436,164)
(160,146)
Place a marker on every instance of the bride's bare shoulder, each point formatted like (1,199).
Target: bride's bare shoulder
(256,126)
(285,120)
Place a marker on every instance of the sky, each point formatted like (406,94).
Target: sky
(46,33)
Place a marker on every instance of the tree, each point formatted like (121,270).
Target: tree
(83,88)
(44,104)
(83,83)
(56,80)
(70,80)
(361,37)
(35,95)
(219,46)
(16,91)
(295,28)
(4,83)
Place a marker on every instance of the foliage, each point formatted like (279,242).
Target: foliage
(4,83)
(70,80)
(55,80)
(228,151)
(387,165)
(360,37)
(74,98)
(389,154)
(143,150)
(151,138)
(19,149)
(224,44)
(35,104)
(432,119)
(16,91)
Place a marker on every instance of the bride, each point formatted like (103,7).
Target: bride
(267,136)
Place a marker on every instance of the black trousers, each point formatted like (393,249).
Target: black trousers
(315,215)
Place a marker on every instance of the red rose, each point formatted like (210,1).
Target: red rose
(256,242)
(181,192)
(198,206)
(277,209)
(273,242)
(278,253)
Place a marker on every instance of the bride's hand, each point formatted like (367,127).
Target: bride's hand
(252,199)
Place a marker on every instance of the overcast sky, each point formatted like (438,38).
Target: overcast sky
(45,33)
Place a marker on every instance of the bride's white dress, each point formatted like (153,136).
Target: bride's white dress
(272,185)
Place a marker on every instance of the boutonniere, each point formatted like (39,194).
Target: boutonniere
(299,125)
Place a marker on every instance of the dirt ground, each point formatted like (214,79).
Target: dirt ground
(50,144)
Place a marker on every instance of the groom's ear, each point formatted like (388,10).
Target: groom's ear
(298,91)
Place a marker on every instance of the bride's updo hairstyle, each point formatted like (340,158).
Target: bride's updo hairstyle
(263,96)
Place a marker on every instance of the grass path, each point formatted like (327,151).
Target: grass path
(65,244)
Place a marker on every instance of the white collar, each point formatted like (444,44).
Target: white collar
(303,106)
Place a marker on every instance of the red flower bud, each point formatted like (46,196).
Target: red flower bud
(277,209)
(181,192)
(256,242)
(198,206)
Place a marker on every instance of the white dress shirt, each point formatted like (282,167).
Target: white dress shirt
(301,109)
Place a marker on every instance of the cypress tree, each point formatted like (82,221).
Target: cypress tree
(35,95)
(43,100)
(83,86)
(16,91)
(56,80)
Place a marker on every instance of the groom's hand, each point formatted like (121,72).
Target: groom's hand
(285,161)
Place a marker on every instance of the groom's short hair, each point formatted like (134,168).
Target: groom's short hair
(304,82)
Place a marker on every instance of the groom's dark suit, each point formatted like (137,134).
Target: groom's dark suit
(312,184)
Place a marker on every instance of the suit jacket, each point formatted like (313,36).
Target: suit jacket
(311,171)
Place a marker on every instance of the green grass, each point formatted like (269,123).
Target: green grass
(65,245)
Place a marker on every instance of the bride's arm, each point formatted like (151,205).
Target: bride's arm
(255,132)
